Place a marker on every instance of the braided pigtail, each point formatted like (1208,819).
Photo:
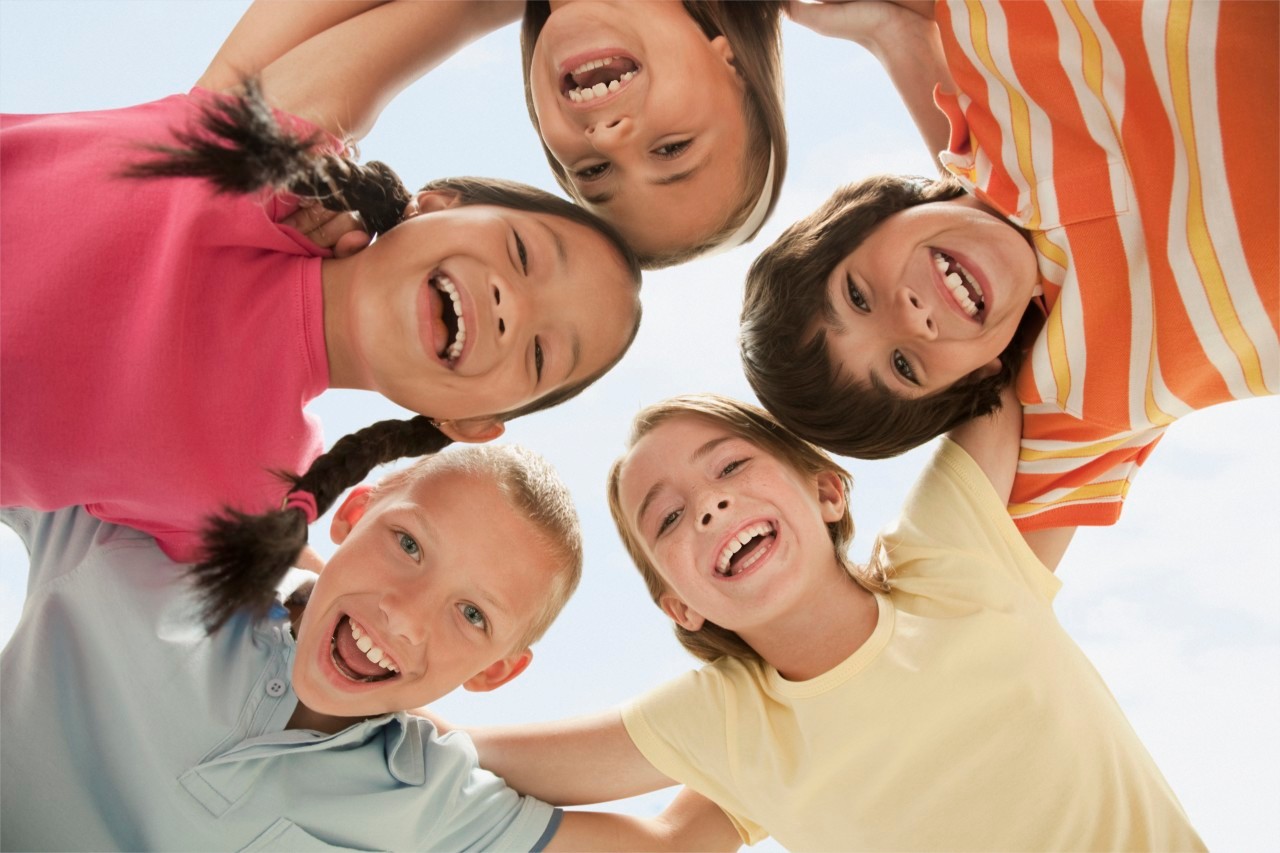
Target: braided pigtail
(246,556)
(239,147)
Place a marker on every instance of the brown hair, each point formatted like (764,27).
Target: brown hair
(533,489)
(784,350)
(754,32)
(757,426)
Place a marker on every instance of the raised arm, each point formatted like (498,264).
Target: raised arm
(338,64)
(691,822)
(904,39)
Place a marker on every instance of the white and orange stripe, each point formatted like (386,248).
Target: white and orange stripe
(1139,143)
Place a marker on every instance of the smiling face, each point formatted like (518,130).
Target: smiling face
(933,294)
(739,537)
(435,582)
(646,116)
(467,311)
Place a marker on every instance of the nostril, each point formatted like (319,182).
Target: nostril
(706,519)
(722,504)
(502,326)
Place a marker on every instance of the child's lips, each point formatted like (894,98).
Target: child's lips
(974,295)
(591,79)
(734,559)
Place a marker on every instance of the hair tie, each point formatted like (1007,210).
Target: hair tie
(304,501)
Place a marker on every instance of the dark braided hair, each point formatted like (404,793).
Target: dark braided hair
(239,146)
(246,556)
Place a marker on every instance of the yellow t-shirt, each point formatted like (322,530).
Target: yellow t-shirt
(969,720)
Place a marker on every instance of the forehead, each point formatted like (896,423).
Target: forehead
(666,450)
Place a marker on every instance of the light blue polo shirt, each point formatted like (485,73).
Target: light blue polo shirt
(122,726)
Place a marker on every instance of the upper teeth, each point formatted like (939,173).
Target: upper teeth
(599,90)
(593,64)
(955,282)
(372,652)
(447,287)
(736,544)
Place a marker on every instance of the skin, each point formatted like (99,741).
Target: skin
(533,324)
(438,592)
(683,111)
(895,320)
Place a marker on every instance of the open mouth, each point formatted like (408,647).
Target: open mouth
(962,285)
(452,329)
(598,78)
(746,549)
(356,657)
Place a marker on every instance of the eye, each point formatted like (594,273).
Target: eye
(732,466)
(409,545)
(592,173)
(474,615)
(903,368)
(855,295)
(672,149)
(668,520)
(537,358)
(522,252)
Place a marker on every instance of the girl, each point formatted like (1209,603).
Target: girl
(219,752)
(155,364)
(1119,205)
(664,118)
(928,701)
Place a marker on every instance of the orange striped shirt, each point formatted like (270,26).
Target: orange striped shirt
(1138,142)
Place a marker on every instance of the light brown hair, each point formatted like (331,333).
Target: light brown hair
(758,427)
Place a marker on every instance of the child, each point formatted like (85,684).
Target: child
(1121,205)
(929,701)
(159,345)
(664,118)
(127,728)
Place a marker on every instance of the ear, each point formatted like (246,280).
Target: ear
(682,614)
(498,673)
(831,497)
(472,430)
(429,201)
(351,511)
(721,47)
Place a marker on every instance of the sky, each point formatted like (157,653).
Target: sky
(1176,606)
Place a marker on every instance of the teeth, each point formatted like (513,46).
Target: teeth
(736,544)
(448,287)
(372,652)
(592,65)
(599,90)
(614,85)
(955,282)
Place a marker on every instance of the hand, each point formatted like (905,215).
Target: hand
(865,22)
(328,229)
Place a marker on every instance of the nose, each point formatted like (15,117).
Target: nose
(607,136)
(916,316)
(405,610)
(508,306)
(720,505)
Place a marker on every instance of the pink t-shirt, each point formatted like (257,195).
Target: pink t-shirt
(157,341)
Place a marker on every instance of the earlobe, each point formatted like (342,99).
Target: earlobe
(831,496)
(350,512)
(498,673)
(429,201)
(682,614)
(472,430)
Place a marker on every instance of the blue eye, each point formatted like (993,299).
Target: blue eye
(732,466)
(855,295)
(473,615)
(903,368)
(409,545)
(668,520)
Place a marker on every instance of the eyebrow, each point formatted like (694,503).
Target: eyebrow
(693,458)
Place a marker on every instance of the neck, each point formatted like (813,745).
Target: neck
(305,718)
(820,633)
(338,278)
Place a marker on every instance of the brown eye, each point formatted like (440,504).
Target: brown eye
(903,368)
(855,295)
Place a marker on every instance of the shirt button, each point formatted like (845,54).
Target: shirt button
(275,688)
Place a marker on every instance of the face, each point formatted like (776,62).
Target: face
(433,585)
(465,311)
(933,294)
(646,116)
(739,537)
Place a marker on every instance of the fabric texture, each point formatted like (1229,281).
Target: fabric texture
(126,728)
(969,719)
(158,341)
(1132,142)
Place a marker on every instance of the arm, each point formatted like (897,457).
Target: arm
(993,442)
(691,822)
(1049,545)
(569,762)
(353,58)
(904,39)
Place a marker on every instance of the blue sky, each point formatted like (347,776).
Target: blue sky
(1176,606)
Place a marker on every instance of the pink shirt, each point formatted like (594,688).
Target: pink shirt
(157,341)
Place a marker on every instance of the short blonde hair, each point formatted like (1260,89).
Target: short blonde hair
(533,489)
(757,426)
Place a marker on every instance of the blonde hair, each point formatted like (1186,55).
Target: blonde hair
(757,426)
(753,30)
(532,488)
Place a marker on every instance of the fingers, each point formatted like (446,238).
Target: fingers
(327,228)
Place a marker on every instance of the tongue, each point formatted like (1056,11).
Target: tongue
(350,655)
